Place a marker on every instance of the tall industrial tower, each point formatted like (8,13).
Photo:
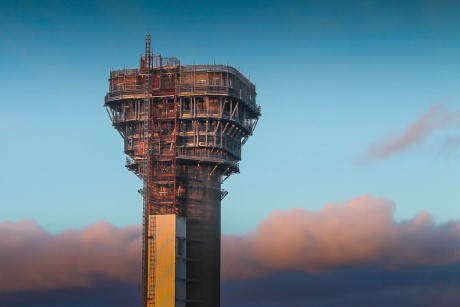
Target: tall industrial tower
(183,129)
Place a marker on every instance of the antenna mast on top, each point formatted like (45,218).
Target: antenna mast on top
(148,52)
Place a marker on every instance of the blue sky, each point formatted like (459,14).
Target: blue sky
(361,110)
(332,79)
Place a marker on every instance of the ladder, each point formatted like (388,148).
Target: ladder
(146,175)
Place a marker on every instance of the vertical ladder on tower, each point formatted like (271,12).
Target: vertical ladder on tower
(146,175)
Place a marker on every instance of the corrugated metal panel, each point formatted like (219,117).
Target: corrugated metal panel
(162,260)
(165,272)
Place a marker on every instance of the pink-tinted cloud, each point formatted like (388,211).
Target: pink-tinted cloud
(32,259)
(360,231)
(437,118)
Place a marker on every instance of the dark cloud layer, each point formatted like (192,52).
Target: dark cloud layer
(101,293)
(349,254)
(357,286)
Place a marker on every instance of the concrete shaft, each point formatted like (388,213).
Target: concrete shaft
(203,236)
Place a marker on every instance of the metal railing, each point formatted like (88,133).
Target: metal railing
(204,156)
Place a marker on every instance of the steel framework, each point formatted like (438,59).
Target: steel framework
(183,129)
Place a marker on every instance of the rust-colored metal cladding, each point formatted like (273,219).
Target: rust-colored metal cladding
(183,129)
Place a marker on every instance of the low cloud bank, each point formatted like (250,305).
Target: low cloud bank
(32,259)
(353,234)
(361,231)
(435,119)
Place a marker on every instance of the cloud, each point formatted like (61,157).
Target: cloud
(110,294)
(32,259)
(449,145)
(355,286)
(348,252)
(436,119)
(361,231)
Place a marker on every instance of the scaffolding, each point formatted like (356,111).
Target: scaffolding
(183,129)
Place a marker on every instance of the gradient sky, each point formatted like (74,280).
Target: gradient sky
(358,98)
